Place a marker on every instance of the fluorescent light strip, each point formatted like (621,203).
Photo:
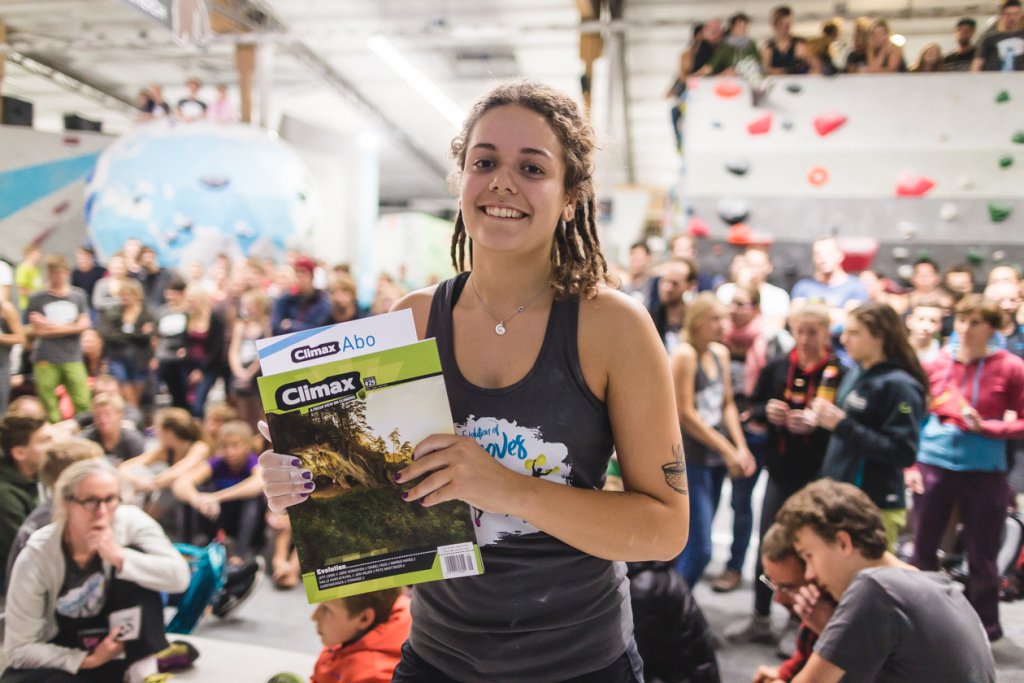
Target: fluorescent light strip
(416,79)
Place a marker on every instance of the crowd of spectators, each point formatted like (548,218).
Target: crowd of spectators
(829,379)
(719,48)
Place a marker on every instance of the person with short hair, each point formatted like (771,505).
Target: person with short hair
(961,58)
(226,491)
(830,282)
(784,574)
(674,281)
(1003,48)
(362,636)
(304,308)
(924,325)
(118,441)
(57,317)
(22,441)
(57,456)
(961,460)
(127,332)
(87,271)
(795,448)
(925,280)
(892,623)
(97,557)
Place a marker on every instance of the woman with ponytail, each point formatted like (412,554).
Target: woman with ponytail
(876,418)
(536,350)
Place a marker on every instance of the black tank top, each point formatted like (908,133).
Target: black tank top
(543,610)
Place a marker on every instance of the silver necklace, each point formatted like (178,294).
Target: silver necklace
(500,329)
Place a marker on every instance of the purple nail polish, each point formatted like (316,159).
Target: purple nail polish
(405,495)
(296,462)
(307,475)
(303,496)
(398,476)
(308,486)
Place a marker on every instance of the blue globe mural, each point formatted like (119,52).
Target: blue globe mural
(192,191)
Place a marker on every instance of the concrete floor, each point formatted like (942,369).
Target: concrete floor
(280,620)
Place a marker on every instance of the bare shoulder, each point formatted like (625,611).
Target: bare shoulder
(611,308)
(613,323)
(418,302)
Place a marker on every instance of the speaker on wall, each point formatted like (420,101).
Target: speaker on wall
(16,112)
(76,122)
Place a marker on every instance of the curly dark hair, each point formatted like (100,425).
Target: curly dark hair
(576,255)
(828,507)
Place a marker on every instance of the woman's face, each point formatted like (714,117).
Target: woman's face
(102,487)
(512,193)
(879,37)
(116,267)
(710,328)
(810,334)
(858,341)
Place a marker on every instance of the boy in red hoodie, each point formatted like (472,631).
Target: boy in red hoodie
(362,637)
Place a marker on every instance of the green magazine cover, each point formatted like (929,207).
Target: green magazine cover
(353,423)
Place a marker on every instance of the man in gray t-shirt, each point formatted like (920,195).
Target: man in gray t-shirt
(57,316)
(893,623)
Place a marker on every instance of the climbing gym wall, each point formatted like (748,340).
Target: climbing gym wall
(42,188)
(921,163)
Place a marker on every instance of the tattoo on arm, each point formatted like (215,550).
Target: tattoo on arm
(675,471)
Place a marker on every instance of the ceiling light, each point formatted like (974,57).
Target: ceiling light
(898,39)
(416,79)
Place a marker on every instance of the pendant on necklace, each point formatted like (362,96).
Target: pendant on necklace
(499,329)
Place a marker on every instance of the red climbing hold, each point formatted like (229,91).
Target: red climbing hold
(760,125)
(913,185)
(826,123)
(727,88)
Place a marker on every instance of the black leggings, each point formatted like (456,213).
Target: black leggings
(413,669)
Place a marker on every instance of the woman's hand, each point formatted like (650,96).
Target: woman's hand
(457,468)
(100,539)
(207,505)
(913,480)
(285,483)
(776,412)
(800,421)
(829,414)
(742,464)
(108,649)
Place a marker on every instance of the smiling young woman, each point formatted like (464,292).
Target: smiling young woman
(541,351)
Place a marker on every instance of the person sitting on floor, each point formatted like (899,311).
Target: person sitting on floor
(82,579)
(893,622)
(362,637)
(226,491)
(784,573)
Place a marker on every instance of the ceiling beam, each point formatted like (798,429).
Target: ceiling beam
(258,17)
(75,82)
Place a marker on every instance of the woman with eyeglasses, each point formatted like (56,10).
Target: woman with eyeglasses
(84,601)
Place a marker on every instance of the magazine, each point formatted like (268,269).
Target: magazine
(353,423)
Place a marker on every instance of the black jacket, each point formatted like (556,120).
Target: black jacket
(671,632)
(878,438)
(793,460)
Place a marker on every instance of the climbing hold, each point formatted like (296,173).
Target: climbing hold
(737,166)
(1005,161)
(760,125)
(697,227)
(727,88)
(817,176)
(999,212)
(1003,96)
(911,184)
(733,211)
(948,212)
(1018,137)
(794,87)
(900,253)
(826,123)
